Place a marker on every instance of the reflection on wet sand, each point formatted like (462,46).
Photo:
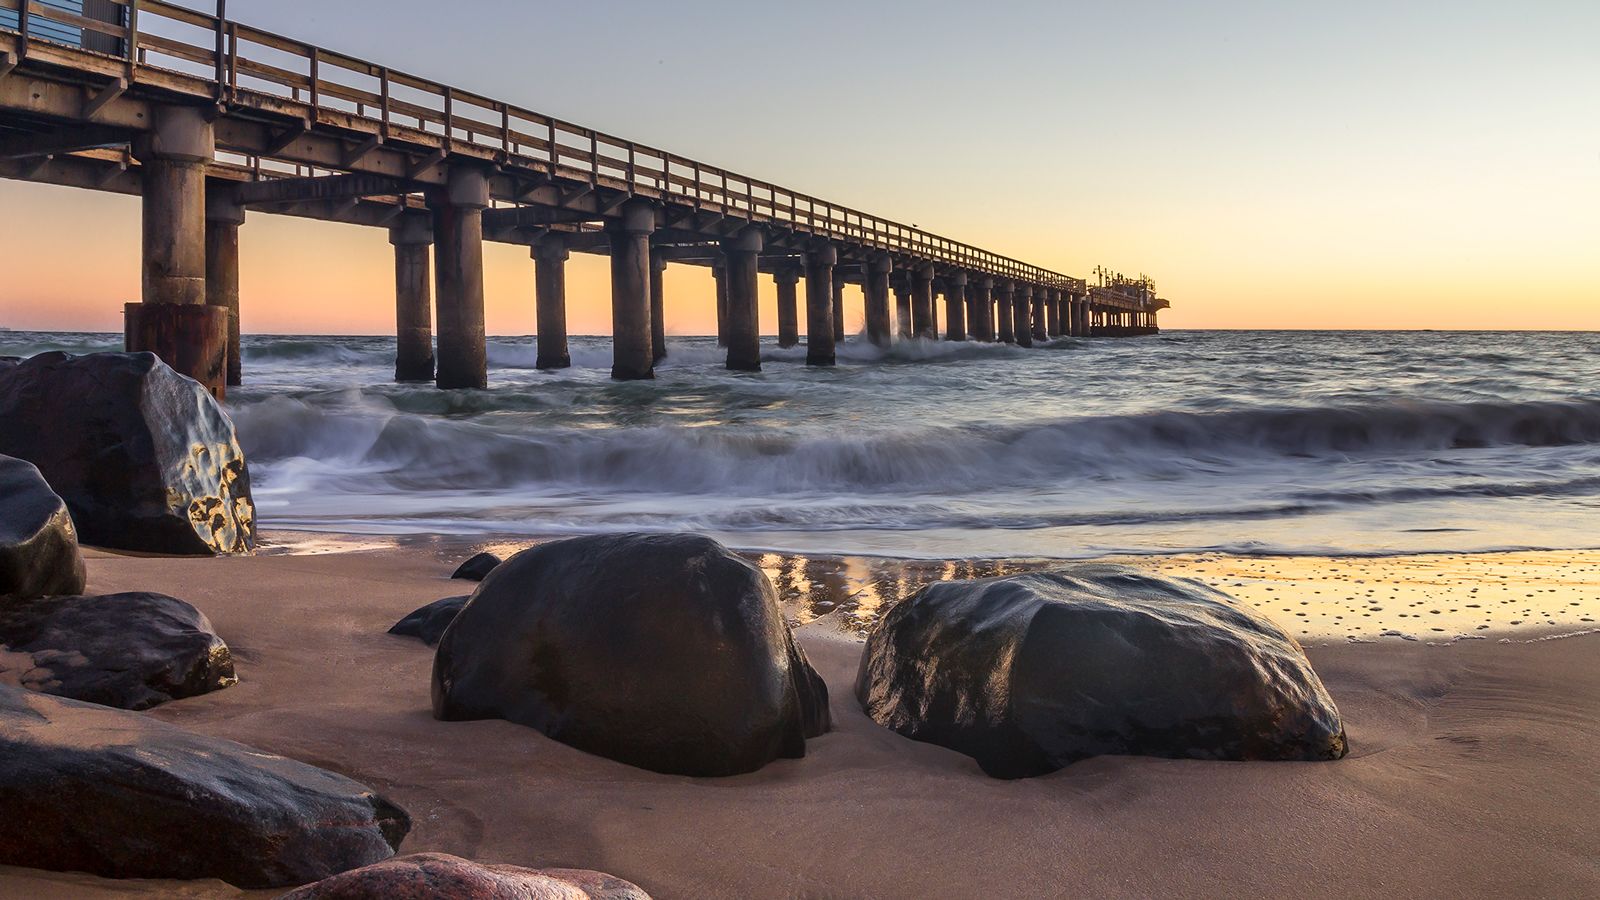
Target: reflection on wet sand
(1428,597)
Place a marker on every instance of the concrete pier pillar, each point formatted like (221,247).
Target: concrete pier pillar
(902,305)
(955,307)
(838,304)
(1022,315)
(719,274)
(458,278)
(788,306)
(876,288)
(174,320)
(982,291)
(550,254)
(632,353)
(742,254)
(411,236)
(1041,304)
(922,315)
(658,305)
(1004,293)
(820,302)
(223,218)
(1052,312)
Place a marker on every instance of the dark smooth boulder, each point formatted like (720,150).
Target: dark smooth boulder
(144,457)
(1029,673)
(131,651)
(38,545)
(666,652)
(122,795)
(477,568)
(429,622)
(429,876)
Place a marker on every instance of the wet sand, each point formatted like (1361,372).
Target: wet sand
(1472,770)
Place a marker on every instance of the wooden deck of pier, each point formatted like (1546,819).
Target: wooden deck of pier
(208,118)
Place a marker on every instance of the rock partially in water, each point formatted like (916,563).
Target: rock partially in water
(429,622)
(477,568)
(428,876)
(38,544)
(122,795)
(1029,673)
(131,651)
(144,458)
(666,652)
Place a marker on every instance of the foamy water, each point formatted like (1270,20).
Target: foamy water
(1350,442)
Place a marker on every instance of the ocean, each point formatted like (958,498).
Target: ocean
(1243,441)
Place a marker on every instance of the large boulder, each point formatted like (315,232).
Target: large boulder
(145,458)
(1029,673)
(429,876)
(119,794)
(131,651)
(429,623)
(38,545)
(667,652)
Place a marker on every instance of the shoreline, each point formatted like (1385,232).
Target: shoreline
(1471,765)
(1443,596)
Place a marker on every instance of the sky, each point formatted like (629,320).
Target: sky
(1271,165)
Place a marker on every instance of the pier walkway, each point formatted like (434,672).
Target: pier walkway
(208,119)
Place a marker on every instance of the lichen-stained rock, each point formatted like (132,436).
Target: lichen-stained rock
(38,544)
(666,652)
(131,651)
(85,788)
(430,876)
(477,568)
(144,458)
(1029,673)
(429,623)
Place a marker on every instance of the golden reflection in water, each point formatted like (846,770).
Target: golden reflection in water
(855,591)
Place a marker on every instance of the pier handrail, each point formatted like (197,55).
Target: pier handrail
(240,61)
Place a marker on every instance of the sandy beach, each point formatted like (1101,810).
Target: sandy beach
(1472,766)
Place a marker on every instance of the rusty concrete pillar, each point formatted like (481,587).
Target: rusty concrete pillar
(223,218)
(820,333)
(922,319)
(411,235)
(174,320)
(743,253)
(632,353)
(550,254)
(981,290)
(1041,303)
(1004,292)
(658,305)
(1022,315)
(955,306)
(458,277)
(719,274)
(876,289)
(788,278)
(838,304)
(902,304)
(1052,312)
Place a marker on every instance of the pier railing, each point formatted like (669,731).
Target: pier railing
(239,65)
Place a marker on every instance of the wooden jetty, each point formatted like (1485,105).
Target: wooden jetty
(208,119)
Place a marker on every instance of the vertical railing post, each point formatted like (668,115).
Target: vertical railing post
(221,67)
(316,93)
(449,118)
(23,26)
(630,167)
(594,158)
(383,101)
(130,39)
